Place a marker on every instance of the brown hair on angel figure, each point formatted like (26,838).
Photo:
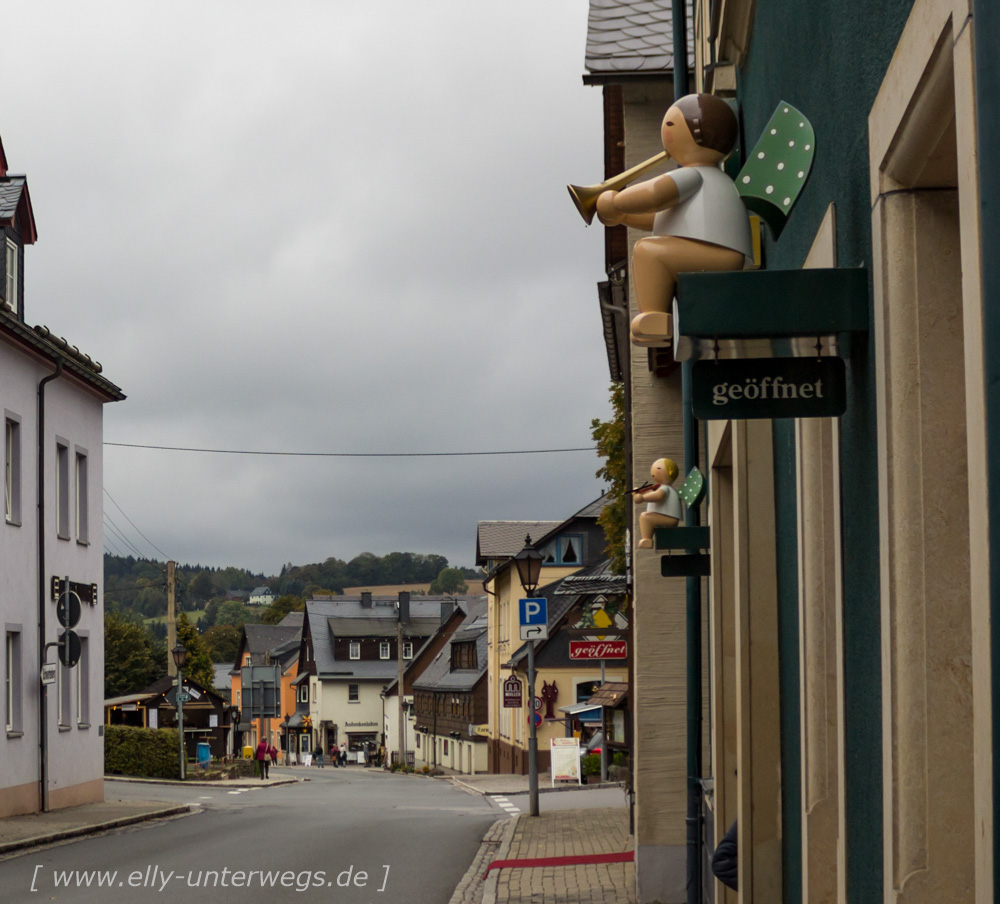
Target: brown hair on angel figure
(663,505)
(695,213)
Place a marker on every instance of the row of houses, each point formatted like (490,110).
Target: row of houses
(423,677)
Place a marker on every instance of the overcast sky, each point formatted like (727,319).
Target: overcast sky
(319,227)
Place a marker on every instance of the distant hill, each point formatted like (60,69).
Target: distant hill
(140,585)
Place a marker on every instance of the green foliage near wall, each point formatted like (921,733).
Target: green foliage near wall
(610,438)
(147,752)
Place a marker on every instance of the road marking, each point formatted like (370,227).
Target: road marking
(506,804)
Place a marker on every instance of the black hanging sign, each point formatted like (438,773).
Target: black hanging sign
(749,388)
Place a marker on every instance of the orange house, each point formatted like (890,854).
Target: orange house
(268,654)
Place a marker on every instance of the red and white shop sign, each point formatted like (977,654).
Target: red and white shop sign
(598,649)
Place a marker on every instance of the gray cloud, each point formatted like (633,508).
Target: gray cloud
(329,229)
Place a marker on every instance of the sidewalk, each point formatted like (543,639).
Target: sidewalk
(554,833)
(33,829)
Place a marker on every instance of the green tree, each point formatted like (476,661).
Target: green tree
(610,438)
(198,666)
(449,580)
(233,612)
(202,587)
(130,660)
(222,642)
(281,607)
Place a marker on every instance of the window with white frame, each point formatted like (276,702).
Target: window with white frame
(408,650)
(62,489)
(11,283)
(303,693)
(355,649)
(383,649)
(80,497)
(12,468)
(12,680)
(354,693)
(83,684)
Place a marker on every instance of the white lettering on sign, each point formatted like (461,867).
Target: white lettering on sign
(598,649)
(765,388)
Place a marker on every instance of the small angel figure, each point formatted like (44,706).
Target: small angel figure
(663,505)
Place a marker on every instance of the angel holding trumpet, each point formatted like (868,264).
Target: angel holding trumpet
(694,212)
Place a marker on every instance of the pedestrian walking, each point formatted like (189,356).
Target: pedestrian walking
(335,756)
(272,752)
(262,758)
(343,756)
(319,757)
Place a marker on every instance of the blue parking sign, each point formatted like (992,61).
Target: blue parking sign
(534,611)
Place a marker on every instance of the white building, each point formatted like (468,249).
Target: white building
(52,399)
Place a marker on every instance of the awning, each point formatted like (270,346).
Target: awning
(576,708)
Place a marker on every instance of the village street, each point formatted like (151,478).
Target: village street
(346,835)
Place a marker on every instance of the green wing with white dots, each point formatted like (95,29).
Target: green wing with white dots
(778,166)
(692,491)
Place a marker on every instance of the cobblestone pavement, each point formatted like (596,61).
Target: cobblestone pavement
(557,833)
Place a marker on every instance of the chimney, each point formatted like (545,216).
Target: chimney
(366,599)
(447,608)
(404,606)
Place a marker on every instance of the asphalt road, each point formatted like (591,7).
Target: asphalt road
(346,835)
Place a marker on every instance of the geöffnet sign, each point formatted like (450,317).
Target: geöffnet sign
(749,388)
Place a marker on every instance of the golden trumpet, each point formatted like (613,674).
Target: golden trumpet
(585,196)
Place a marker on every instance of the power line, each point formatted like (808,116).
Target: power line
(130,521)
(120,534)
(351,454)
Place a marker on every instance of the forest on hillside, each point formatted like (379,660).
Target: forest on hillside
(140,585)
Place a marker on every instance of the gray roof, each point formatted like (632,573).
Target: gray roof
(438,676)
(630,36)
(11,189)
(504,539)
(383,627)
(324,615)
(278,640)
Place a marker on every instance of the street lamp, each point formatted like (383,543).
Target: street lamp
(179,654)
(529,570)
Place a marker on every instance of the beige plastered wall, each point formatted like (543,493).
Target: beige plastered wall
(933,523)
(659,655)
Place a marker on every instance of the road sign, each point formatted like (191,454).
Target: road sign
(68,608)
(512,693)
(69,648)
(49,673)
(537,717)
(534,618)
(183,697)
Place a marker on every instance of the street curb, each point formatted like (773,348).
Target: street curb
(491,881)
(51,837)
(229,783)
(472,888)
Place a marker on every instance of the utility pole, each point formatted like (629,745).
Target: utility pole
(404,615)
(171,616)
